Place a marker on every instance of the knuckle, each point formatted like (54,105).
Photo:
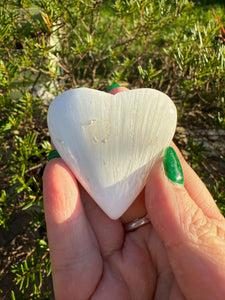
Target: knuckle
(199,227)
(204,230)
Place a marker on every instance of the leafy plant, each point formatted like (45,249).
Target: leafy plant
(168,45)
(196,153)
(29,273)
(219,194)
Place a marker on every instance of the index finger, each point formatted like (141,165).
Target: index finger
(73,247)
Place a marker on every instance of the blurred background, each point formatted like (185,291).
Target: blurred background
(49,46)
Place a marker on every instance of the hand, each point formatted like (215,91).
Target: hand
(179,255)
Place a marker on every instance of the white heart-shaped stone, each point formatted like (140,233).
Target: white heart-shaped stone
(111,141)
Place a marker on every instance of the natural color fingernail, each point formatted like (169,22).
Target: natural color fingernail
(53,154)
(173,167)
(113,86)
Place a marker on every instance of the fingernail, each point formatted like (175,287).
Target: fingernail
(113,86)
(53,154)
(173,167)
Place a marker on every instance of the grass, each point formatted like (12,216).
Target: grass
(171,47)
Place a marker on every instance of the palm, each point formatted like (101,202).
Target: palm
(112,264)
(129,266)
(93,258)
(125,266)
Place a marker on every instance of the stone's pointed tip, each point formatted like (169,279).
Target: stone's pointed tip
(113,86)
(111,165)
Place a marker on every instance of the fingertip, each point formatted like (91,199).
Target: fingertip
(165,201)
(113,86)
(172,167)
(50,170)
(60,190)
(116,88)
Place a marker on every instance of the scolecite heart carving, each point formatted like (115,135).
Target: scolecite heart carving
(111,141)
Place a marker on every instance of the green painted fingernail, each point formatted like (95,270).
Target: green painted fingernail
(113,86)
(173,167)
(53,154)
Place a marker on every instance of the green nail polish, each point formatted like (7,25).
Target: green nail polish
(53,154)
(113,86)
(173,167)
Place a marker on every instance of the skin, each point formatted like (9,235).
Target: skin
(179,255)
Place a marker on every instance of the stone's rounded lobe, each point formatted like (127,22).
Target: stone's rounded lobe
(111,141)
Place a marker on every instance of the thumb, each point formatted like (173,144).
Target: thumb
(194,242)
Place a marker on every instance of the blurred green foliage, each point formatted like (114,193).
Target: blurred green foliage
(172,46)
